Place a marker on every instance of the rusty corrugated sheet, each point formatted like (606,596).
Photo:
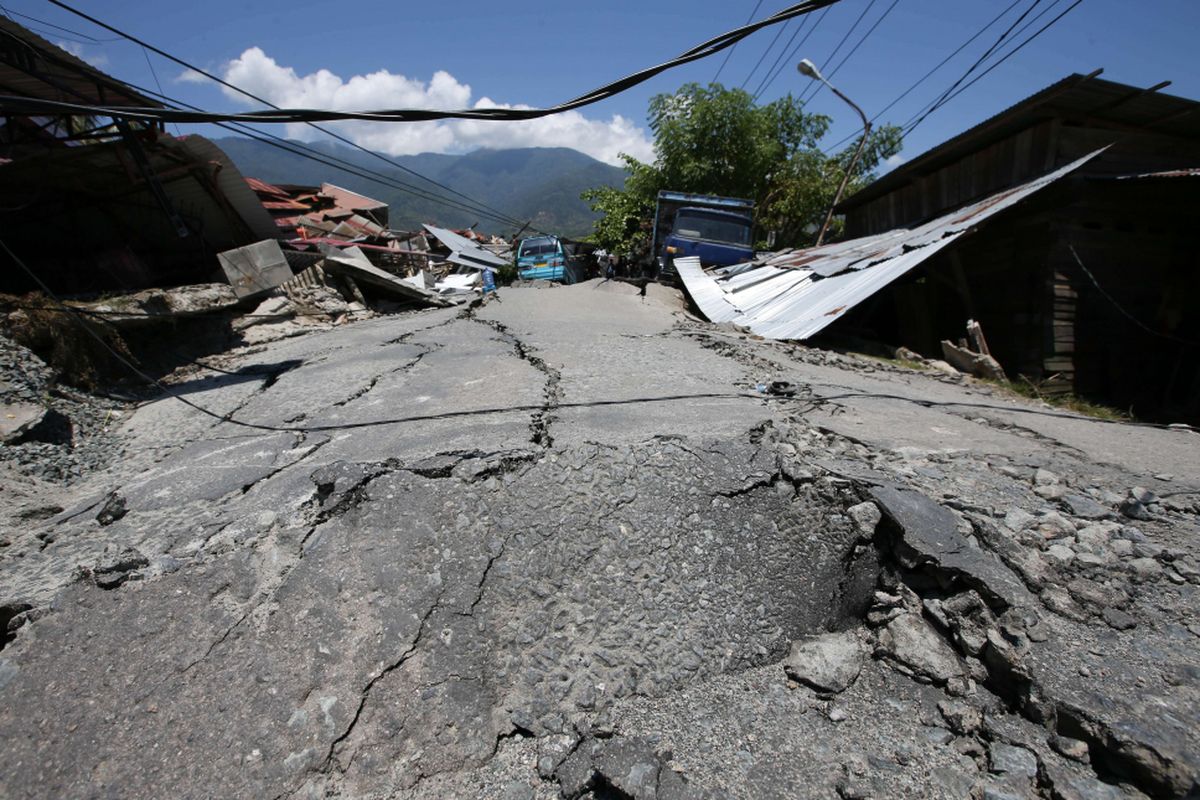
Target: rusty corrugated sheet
(796,294)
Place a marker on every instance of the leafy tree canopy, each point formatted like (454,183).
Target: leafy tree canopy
(713,140)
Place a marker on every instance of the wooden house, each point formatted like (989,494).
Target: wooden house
(1092,286)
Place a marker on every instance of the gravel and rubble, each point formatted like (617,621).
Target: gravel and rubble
(76,435)
(559,546)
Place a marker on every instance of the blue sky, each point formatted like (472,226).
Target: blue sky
(373,54)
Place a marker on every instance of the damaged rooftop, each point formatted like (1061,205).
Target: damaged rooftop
(304,499)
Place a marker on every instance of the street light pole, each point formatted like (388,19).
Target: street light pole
(809,69)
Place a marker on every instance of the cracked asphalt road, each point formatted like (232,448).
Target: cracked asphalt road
(555,547)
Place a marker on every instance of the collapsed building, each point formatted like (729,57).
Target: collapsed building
(104,204)
(95,203)
(160,238)
(1077,202)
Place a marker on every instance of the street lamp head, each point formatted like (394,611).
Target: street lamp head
(809,69)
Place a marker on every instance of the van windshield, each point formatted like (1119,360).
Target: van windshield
(698,225)
(537,247)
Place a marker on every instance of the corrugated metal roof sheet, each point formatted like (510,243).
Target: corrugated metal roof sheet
(465,252)
(797,293)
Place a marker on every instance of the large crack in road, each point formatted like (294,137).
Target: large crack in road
(733,598)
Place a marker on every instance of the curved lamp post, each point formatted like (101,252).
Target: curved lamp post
(810,70)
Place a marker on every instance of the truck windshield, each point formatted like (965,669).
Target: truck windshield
(697,225)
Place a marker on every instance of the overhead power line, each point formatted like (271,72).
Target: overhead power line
(810,92)
(265,102)
(855,49)
(329,160)
(773,70)
(729,52)
(299,149)
(76,36)
(816,24)
(921,115)
(928,74)
(1004,58)
(761,58)
(978,61)
(26,105)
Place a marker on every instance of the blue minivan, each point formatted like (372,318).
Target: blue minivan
(542,257)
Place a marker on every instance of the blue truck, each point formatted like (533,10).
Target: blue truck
(719,230)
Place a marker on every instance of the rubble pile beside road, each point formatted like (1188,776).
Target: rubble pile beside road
(560,546)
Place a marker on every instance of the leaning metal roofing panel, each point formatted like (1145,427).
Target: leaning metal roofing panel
(710,297)
(464,251)
(797,293)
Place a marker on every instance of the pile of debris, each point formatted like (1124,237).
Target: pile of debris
(48,431)
(329,218)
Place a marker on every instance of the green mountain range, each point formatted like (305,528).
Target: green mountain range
(541,184)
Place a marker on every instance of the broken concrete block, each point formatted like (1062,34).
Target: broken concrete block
(910,640)
(255,268)
(17,419)
(1008,759)
(828,663)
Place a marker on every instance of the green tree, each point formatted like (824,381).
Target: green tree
(713,140)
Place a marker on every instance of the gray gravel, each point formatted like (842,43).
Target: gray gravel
(83,441)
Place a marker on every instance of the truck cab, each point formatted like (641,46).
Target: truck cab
(717,230)
(718,238)
(541,257)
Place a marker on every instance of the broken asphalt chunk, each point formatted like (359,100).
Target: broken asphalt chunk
(929,540)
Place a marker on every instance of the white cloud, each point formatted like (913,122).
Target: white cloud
(895,160)
(259,74)
(191,76)
(97,60)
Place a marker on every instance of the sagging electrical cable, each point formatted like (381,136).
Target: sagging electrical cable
(243,92)
(473,207)
(1003,58)
(14,104)
(229,418)
(212,312)
(1167,336)
(349,167)
(926,76)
